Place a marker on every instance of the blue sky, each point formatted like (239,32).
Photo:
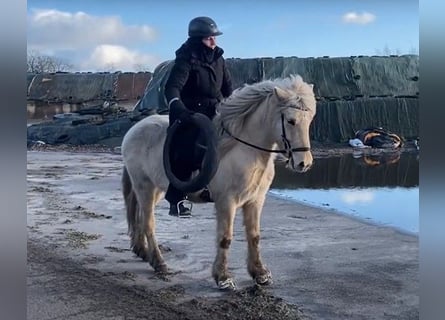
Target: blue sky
(127,35)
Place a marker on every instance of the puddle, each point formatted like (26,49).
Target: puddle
(383,190)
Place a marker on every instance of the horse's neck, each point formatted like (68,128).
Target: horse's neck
(257,131)
(259,126)
(259,163)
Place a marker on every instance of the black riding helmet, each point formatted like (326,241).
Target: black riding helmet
(203,27)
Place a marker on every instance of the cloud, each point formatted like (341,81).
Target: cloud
(53,30)
(100,43)
(358,18)
(108,57)
(357,196)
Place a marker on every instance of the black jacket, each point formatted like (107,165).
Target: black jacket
(199,78)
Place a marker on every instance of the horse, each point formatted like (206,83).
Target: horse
(255,123)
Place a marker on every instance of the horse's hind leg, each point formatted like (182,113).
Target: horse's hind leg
(145,244)
(225,218)
(255,267)
(135,226)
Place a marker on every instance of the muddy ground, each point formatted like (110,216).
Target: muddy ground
(325,266)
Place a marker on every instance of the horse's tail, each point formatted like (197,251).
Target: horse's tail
(130,200)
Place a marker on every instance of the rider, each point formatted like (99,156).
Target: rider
(198,80)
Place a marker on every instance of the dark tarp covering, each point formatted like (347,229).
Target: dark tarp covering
(352,93)
(346,78)
(333,78)
(90,132)
(337,121)
(154,100)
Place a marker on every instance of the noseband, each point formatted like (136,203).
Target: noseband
(287,145)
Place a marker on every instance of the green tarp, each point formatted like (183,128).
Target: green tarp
(352,93)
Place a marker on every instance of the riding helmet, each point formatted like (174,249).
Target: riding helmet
(203,27)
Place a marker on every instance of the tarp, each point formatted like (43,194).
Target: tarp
(338,121)
(67,131)
(352,92)
(154,100)
(333,78)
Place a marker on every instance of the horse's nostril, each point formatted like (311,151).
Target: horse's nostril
(301,164)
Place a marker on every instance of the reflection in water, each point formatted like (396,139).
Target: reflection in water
(385,193)
(348,171)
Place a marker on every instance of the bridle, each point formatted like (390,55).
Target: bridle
(287,145)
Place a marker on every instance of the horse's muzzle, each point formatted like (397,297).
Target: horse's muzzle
(301,167)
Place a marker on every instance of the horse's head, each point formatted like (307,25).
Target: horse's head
(297,107)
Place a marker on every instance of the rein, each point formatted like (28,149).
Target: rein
(286,142)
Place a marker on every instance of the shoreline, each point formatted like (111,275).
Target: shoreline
(319,150)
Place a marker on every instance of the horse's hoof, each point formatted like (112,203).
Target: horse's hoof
(141,253)
(228,284)
(264,279)
(162,272)
(163,276)
(162,269)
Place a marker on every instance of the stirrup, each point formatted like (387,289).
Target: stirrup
(184,215)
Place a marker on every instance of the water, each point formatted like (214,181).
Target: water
(381,189)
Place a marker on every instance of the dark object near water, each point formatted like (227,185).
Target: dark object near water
(377,137)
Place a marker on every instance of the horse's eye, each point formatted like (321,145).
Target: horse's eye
(291,122)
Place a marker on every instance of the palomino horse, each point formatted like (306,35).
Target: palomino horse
(256,122)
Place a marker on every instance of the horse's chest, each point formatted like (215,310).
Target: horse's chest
(257,180)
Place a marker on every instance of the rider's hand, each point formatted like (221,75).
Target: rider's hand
(179,111)
(186,115)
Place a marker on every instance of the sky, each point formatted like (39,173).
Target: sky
(137,35)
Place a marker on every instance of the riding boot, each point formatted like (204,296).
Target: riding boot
(182,168)
(179,210)
(176,199)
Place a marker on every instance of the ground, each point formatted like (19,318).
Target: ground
(325,266)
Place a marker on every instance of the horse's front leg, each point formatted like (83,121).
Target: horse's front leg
(255,267)
(225,217)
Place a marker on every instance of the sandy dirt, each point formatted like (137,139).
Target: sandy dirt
(325,266)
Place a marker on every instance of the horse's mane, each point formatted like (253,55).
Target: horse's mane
(233,111)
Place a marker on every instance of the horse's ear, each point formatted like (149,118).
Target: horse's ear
(280,93)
